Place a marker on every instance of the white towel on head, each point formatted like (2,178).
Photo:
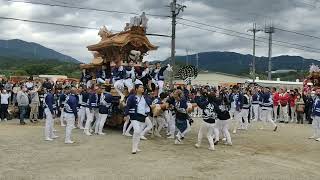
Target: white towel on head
(138,82)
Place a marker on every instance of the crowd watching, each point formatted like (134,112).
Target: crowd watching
(24,99)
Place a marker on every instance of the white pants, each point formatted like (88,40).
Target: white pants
(260,113)
(171,122)
(160,86)
(147,126)
(223,126)
(90,117)
(137,129)
(100,123)
(243,114)
(70,125)
(126,129)
(118,86)
(211,132)
(293,113)
(284,113)
(275,113)
(48,130)
(82,116)
(256,112)
(316,126)
(129,84)
(232,113)
(160,121)
(267,116)
(62,118)
(236,119)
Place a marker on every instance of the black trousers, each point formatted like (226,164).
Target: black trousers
(4,111)
(308,111)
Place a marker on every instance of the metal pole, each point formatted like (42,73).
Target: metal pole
(254,30)
(270,56)
(175,10)
(173,39)
(270,31)
(254,56)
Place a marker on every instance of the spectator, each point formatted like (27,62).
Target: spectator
(29,84)
(308,101)
(16,88)
(34,105)
(38,84)
(8,86)
(2,83)
(4,105)
(300,109)
(47,84)
(41,93)
(23,103)
(292,103)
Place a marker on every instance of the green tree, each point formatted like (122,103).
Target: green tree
(36,69)
(20,73)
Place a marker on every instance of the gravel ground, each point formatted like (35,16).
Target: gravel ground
(255,154)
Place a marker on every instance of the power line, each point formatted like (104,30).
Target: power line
(132,13)
(85,8)
(257,14)
(49,23)
(204,24)
(69,25)
(210,30)
(298,33)
(248,38)
(283,42)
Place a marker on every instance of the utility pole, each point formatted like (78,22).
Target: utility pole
(175,10)
(269,30)
(254,30)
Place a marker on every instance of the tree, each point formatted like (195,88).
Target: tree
(20,73)
(36,69)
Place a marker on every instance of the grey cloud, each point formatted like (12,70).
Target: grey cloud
(236,15)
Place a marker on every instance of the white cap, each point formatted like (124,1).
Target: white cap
(309,83)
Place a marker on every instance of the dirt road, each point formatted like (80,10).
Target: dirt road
(255,154)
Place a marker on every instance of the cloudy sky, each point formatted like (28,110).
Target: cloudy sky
(226,16)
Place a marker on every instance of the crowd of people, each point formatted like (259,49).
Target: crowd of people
(148,107)
(27,96)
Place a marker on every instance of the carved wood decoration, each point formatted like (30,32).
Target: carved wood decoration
(117,47)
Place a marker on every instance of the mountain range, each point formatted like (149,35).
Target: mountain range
(20,49)
(215,61)
(235,63)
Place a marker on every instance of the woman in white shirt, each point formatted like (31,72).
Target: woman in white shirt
(4,105)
